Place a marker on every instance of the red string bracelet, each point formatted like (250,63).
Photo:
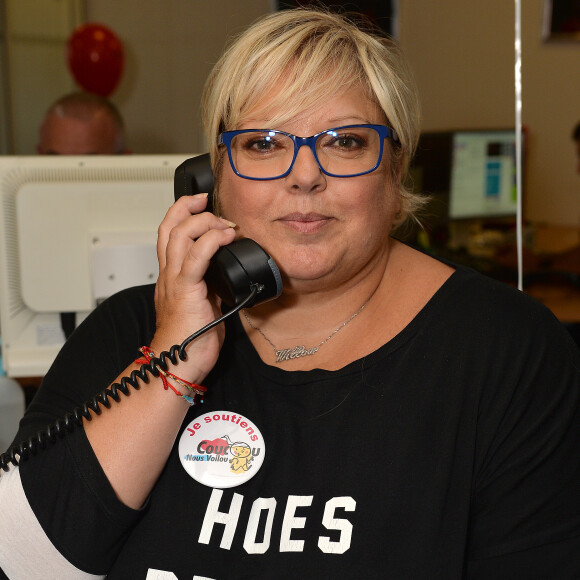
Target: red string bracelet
(196,390)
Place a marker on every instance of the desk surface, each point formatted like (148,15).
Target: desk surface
(562,299)
(558,285)
(551,278)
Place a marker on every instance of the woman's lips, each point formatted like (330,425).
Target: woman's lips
(305,222)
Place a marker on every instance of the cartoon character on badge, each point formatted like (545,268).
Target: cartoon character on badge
(242,457)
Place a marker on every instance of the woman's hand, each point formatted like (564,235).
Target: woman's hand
(146,426)
(187,239)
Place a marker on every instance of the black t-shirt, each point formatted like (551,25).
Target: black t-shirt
(452,451)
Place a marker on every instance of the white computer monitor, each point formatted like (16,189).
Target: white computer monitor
(73,230)
(483,175)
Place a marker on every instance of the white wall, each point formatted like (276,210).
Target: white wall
(171,46)
(35,60)
(551,95)
(463,55)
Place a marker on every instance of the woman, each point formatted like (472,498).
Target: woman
(387,416)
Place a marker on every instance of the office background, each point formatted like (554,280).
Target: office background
(462,52)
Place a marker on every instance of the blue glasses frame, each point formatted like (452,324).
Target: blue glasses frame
(384,132)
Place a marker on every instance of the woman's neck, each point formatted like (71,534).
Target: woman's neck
(312,324)
(347,322)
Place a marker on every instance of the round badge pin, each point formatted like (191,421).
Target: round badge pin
(221,449)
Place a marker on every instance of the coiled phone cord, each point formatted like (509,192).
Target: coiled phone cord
(70,421)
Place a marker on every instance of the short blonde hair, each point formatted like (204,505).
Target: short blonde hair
(301,56)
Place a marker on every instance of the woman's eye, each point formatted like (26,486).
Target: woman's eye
(345,142)
(349,142)
(259,144)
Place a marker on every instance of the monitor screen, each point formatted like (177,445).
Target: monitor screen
(483,174)
(73,230)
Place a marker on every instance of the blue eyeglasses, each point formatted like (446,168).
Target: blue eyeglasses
(264,154)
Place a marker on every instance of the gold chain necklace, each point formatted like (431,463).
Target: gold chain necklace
(284,354)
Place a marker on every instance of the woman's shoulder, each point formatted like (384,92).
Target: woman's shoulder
(133,305)
(482,300)
(128,315)
(137,296)
(464,292)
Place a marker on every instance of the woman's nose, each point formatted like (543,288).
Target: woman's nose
(306,174)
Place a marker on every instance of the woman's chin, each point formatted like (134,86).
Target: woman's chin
(308,268)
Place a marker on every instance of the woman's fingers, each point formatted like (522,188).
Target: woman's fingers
(181,226)
(187,261)
(196,261)
(183,208)
(187,241)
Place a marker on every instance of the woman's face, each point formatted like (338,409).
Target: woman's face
(321,231)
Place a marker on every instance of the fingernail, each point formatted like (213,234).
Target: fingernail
(229,223)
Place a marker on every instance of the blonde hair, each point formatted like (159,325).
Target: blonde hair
(297,58)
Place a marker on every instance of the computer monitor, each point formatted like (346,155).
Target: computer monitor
(73,230)
(483,175)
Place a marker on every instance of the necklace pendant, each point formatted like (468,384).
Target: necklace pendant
(297,352)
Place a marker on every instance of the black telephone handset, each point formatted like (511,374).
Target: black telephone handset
(242,274)
(237,268)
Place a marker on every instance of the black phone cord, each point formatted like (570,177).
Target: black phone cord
(70,421)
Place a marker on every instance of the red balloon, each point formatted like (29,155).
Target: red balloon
(95,58)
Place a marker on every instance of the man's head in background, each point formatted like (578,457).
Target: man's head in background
(576,138)
(82,124)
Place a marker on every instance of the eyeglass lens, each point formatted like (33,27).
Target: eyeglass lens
(342,152)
